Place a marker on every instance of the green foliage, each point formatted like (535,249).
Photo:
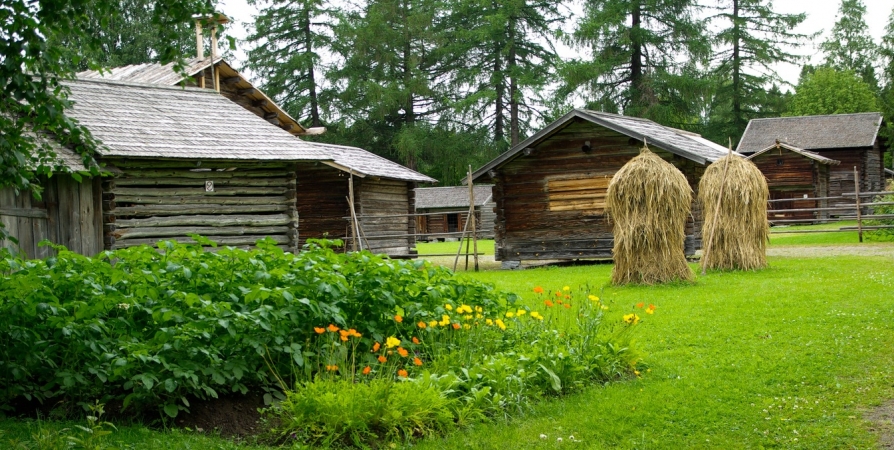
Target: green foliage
(754,39)
(883,234)
(828,91)
(92,436)
(850,47)
(155,328)
(641,53)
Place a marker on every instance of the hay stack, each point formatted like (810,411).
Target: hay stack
(649,201)
(739,222)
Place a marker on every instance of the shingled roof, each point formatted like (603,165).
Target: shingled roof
(452,196)
(165,75)
(812,132)
(685,144)
(364,163)
(154,121)
(806,153)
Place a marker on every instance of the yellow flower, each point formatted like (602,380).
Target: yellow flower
(631,318)
(467,317)
(479,309)
(489,322)
(536,315)
(520,312)
(566,288)
(500,324)
(478,316)
(593,297)
(467,326)
(510,314)
(448,307)
(392,342)
(433,323)
(603,307)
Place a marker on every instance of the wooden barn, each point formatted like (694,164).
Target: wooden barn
(443,210)
(187,160)
(550,189)
(796,174)
(851,139)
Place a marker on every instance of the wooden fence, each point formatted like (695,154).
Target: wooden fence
(848,207)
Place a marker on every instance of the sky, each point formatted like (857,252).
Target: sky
(821,15)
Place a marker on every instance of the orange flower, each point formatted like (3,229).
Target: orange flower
(398,318)
(402,373)
(640,304)
(415,340)
(332,328)
(332,368)
(650,309)
(344,337)
(382,359)
(417,361)
(402,352)
(421,324)
(319,330)
(538,290)
(560,302)
(376,347)
(367,370)
(353,332)
(567,305)
(549,303)
(456,326)
(558,294)
(567,296)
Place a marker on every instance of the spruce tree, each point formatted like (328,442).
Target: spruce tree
(288,38)
(639,50)
(850,47)
(753,41)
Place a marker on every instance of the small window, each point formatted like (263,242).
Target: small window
(452,223)
(578,194)
(779,162)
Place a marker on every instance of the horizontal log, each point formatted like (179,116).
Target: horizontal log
(868,217)
(173,210)
(34,213)
(143,232)
(199,182)
(220,240)
(135,163)
(202,199)
(166,192)
(202,175)
(215,221)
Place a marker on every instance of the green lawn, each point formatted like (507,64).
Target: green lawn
(834,237)
(789,357)
(449,248)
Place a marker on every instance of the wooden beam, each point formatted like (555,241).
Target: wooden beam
(231,80)
(260,103)
(248,91)
(24,212)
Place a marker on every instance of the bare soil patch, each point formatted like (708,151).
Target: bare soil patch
(807,251)
(231,416)
(882,419)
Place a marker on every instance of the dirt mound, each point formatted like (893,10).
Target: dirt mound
(232,416)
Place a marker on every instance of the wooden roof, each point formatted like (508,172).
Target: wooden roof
(164,74)
(452,196)
(806,153)
(155,121)
(685,144)
(812,132)
(364,163)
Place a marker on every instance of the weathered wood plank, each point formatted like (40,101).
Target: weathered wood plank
(202,199)
(160,210)
(199,182)
(153,164)
(168,192)
(35,213)
(206,220)
(220,240)
(142,232)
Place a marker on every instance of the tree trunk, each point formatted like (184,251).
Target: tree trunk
(409,110)
(637,97)
(500,92)
(513,87)
(312,84)
(738,120)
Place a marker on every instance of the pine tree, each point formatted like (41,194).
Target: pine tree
(850,47)
(753,41)
(504,54)
(639,48)
(288,39)
(886,51)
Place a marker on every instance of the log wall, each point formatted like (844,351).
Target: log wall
(68,213)
(151,200)
(322,202)
(793,176)
(391,234)
(528,228)
(867,160)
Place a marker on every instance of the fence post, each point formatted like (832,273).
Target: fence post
(857,194)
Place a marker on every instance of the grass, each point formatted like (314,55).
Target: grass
(788,357)
(485,246)
(834,238)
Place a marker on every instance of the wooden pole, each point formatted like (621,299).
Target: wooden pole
(857,197)
(214,72)
(474,225)
(717,208)
(460,249)
(355,234)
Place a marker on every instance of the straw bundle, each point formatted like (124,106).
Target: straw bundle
(649,201)
(735,231)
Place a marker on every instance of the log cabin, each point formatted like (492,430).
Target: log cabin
(550,189)
(442,211)
(796,174)
(182,161)
(851,139)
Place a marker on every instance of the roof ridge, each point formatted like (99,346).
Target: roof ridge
(817,115)
(141,85)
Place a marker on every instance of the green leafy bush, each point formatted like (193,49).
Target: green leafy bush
(155,327)
(883,234)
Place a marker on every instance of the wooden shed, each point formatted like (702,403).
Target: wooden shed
(550,189)
(796,174)
(383,200)
(444,210)
(851,139)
